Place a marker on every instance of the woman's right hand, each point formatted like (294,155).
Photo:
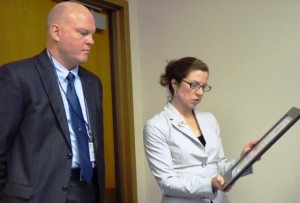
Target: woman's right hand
(217,182)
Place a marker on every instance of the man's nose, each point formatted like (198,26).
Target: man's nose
(91,40)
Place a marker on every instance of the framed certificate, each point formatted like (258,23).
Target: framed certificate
(265,142)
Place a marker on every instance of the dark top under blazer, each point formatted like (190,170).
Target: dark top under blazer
(35,146)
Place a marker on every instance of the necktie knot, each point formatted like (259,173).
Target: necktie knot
(70,77)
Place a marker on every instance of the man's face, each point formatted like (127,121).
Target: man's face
(76,39)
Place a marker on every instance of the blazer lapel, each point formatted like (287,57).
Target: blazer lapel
(87,88)
(179,123)
(49,80)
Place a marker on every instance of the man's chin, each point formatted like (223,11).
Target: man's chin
(83,60)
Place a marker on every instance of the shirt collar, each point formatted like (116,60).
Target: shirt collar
(62,72)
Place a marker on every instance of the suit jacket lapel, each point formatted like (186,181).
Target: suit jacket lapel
(87,88)
(179,123)
(49,80)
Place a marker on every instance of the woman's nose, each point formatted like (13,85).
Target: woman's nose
(200,91)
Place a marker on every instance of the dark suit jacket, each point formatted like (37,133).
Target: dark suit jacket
(35,146)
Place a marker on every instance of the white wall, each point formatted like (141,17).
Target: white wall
(253,51)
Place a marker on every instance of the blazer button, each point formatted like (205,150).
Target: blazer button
(69,156)
(203,165)
(64,188)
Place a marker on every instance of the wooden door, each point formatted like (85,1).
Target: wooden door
(23,35)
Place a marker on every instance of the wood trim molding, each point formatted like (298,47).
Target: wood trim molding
(123,99)
(121,62)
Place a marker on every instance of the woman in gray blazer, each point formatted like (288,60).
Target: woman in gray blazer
(182,144)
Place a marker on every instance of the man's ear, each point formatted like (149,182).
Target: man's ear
(55,32)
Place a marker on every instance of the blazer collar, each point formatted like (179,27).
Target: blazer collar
(88,91)
(89,95)
(49,81)
(178,122)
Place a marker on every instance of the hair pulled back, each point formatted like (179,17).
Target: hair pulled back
(179,69)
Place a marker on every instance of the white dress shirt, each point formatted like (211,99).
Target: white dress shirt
(62,74)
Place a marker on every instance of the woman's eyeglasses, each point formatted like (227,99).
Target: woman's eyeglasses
(197,86)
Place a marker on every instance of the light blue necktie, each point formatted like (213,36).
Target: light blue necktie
(79,128)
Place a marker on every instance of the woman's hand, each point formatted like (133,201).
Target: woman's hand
(217,182)
(249,146)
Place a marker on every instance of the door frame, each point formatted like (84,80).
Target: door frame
(118,12)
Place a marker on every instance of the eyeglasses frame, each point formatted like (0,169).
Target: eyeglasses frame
(199,86)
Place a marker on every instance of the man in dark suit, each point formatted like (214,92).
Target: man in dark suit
(41,145)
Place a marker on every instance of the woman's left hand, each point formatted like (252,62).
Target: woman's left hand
(249,146)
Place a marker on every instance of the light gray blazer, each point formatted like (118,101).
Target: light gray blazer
(181,165)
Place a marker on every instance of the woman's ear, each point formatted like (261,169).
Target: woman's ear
(174,84)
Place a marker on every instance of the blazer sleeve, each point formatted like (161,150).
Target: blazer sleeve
(223,164)
(11,107)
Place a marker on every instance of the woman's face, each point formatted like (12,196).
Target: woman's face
(187,98)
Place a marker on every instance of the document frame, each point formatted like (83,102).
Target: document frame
(264,143)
